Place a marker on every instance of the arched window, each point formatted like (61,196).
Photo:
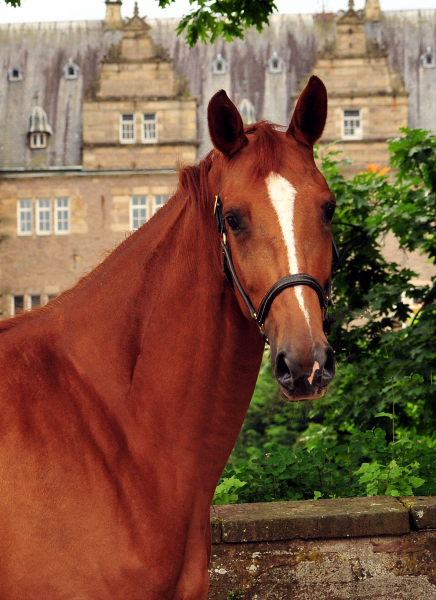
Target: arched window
(219,65)
(71,70)
(428,59)
(275,64)
(15,74)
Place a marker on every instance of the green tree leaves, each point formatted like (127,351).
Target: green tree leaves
(209,19)
(373,432)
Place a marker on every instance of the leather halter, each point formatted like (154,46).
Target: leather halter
(259,316)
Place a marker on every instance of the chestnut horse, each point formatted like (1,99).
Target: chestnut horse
(122,399)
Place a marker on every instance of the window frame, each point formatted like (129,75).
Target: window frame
(153,123)
(157,206)
(20,211)
(135,207)
(13,307)
(59,209)
(127,140)
(39,210)
(358,130)
(38,140)
(219,65)
(12,77)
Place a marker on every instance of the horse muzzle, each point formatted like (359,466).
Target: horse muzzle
(304,380)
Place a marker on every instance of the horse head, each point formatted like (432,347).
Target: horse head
(274,215)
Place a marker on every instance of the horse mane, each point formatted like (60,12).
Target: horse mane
(193,180)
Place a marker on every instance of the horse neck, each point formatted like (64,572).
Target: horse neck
(158,320)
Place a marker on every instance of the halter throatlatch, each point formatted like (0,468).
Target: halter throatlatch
(259,317)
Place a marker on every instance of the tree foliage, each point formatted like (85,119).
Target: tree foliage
(373,432)
(208,19)
(386,354)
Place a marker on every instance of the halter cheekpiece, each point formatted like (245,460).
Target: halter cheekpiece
(259,316)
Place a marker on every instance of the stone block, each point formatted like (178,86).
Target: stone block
(422,511)
(349,517)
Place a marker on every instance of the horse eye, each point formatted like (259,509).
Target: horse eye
(232,222)
(329,211)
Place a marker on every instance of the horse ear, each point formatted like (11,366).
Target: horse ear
(226,128)
(310,114)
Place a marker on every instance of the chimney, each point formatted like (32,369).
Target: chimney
(113,18)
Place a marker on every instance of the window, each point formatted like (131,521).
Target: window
(38,140)
(15,74)
(17,305)
(159,201)
(149,128)
(127,133)
(138,211)
(24,217)
(71,70)
(275,64)
(352,125)
(219,65)
(428,59)
(43,216)
(35,301)
(62,216)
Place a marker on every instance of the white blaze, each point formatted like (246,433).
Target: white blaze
(282,195)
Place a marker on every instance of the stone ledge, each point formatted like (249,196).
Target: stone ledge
(310,519)
(422,511)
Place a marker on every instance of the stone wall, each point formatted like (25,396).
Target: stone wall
(343,549)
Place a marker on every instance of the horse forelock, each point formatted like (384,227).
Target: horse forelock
(267,149)
(266,154)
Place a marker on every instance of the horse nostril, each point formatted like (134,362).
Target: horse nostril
(329,365)
(282,371)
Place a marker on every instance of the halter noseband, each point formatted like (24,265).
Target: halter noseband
(259,317)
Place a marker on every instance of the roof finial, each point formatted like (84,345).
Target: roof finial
(350,4)
(136,13)
(36,95)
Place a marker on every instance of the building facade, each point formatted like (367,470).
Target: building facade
(98,116)
(70,192)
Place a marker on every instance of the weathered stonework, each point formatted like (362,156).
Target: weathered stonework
(353,549)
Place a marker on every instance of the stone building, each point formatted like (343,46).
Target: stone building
(75,182)
(97,116)
(368,102)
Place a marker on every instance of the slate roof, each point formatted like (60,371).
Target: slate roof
(42,50)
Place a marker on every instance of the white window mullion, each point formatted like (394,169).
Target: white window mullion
(352,124)
(127,128)
(24,217)
(149,128)
(43,216)
(62,216)
(159,201)
(138,212)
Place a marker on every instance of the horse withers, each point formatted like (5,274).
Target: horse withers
(122,399)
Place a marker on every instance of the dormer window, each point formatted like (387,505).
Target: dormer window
(38,140)
(39,129)
(428,59)
(71,70)
(15,74)
(275,64)
(219,65)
